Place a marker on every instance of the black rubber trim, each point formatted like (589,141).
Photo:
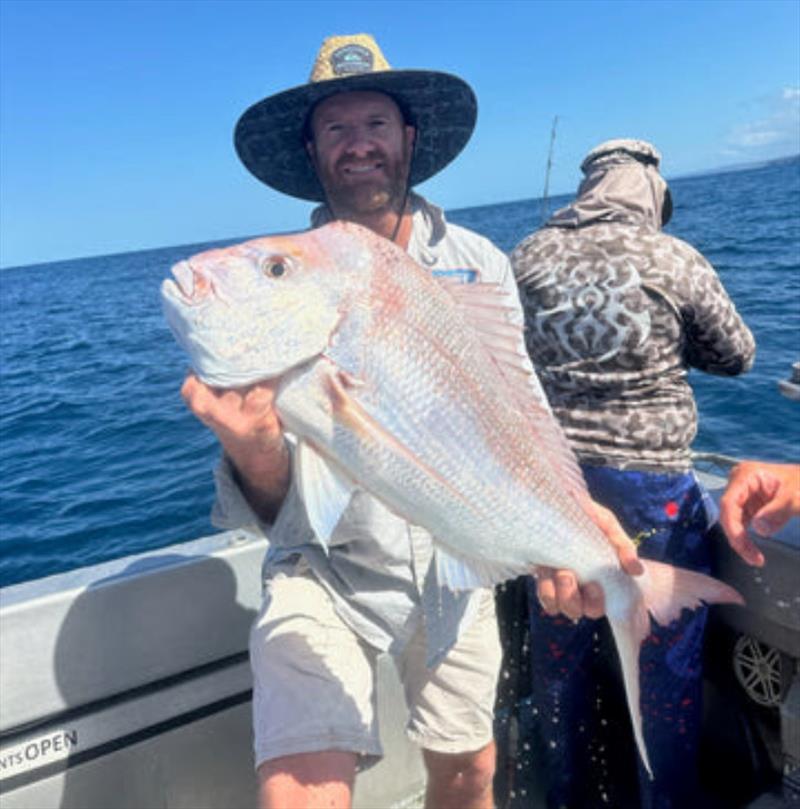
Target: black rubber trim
(71,714)
(46,770)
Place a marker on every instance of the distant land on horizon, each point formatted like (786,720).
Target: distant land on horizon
(788,160)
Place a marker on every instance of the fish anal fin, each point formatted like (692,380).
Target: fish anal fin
(459,573)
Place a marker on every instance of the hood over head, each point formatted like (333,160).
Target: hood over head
(621,184)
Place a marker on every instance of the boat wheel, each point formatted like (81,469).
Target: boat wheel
(758,670)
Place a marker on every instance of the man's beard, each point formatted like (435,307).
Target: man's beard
(370,197)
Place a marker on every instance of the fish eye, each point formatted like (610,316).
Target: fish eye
(275,267)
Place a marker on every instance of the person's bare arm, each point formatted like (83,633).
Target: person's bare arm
(559,591)
(763,496)
(246,424)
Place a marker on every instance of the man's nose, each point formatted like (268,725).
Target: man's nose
(359,140)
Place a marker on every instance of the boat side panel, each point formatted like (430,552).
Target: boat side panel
(159,616)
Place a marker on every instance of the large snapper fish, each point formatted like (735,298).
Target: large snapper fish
(418,391)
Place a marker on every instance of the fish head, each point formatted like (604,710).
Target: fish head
(252,311)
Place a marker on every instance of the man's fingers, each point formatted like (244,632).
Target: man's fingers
(731,519)
(198,397)
(747,549)
(546,590)
(749,490)
(629,558)
(772,517)
(559,593)
(568,594)
(768,483)
(235,411)
(189,386)
(594,605)
(775,508)
(622,543)
(626,550)
(752,498)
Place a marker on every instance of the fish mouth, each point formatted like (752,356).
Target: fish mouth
(190,285)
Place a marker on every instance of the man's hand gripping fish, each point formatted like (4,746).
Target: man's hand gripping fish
(418,391)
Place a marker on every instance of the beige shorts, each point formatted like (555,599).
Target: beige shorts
(314,680)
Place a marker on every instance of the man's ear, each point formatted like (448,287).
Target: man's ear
(311,152)
(411,135)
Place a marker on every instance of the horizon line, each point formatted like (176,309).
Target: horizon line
(737,167)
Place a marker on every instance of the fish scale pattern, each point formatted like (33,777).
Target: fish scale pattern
(433,386)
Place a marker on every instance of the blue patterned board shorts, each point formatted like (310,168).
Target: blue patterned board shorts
(583,744)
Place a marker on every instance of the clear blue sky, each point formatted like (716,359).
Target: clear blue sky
(116,118)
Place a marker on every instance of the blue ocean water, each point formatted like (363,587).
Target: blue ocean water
(101,459)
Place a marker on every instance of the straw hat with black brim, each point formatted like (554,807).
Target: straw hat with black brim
(270,136)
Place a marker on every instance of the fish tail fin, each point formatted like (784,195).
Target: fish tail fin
(668,590)
(663,591)
(629,632)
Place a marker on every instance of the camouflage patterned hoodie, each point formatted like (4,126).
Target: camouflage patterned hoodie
(617,311)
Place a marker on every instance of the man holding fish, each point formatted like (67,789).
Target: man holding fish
(347,577)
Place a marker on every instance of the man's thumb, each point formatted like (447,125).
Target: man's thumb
(771,518)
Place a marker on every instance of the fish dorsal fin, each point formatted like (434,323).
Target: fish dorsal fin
(494,314)
(324,488)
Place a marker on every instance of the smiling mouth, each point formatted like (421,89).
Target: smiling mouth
(362,169)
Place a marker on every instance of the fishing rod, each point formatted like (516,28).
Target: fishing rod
(544,205)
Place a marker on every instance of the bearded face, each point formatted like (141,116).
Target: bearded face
(361,150)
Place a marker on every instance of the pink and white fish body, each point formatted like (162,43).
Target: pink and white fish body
(419,392)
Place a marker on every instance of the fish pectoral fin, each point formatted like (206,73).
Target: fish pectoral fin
(459,573)
(348,412)
(325,490)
